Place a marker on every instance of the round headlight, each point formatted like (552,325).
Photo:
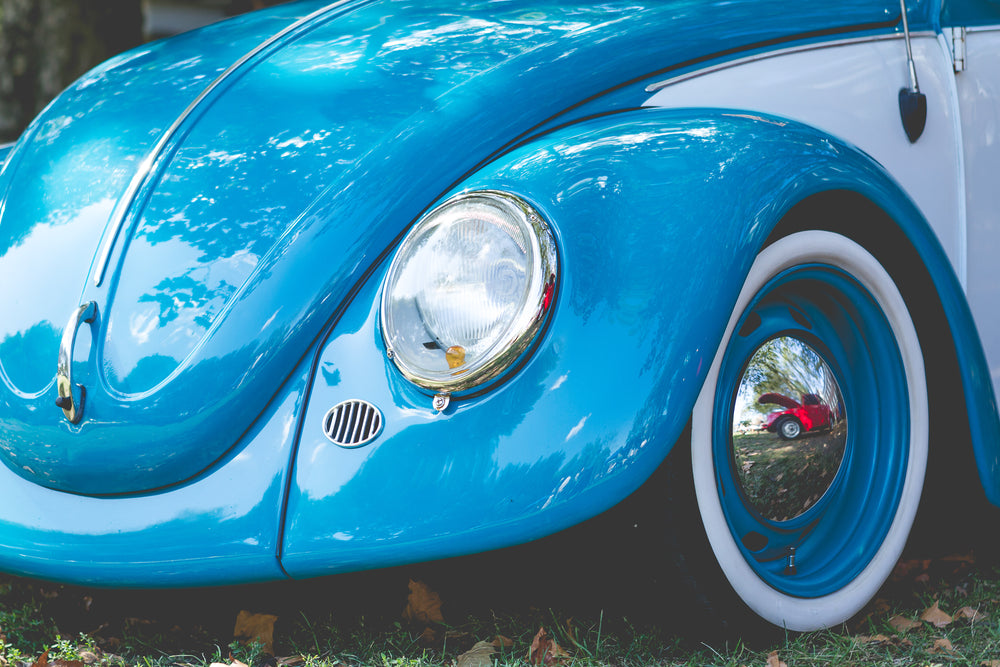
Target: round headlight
(468,290)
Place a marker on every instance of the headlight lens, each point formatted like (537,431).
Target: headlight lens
(468,290)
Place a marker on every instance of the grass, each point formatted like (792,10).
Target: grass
(356,621)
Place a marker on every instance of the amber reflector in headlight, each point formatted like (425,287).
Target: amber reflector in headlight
(468,290)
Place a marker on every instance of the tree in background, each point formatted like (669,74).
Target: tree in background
(47,44)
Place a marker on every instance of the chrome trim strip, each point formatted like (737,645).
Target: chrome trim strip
(125,203)
(961,263)
(72,410)
(659,85)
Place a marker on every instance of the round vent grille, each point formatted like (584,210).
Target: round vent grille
(352,423)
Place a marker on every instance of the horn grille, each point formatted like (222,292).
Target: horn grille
(352,423)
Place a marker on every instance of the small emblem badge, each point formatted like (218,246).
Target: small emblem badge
(352,423)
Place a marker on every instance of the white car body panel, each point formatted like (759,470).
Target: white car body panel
(979,104)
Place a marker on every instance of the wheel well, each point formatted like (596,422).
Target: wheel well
(951,464)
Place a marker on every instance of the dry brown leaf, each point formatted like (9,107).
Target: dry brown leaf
(883,640)
(89,657)
(545,650)
(961,558)
(480,655)
(908,568)
(878,607)
(935,616)
(423,605)
(990,663)
(974,615)
(774,661)
(940,646)
(503,642)
(256,627)
(43,660)
(429,637)
(902,624)
(877,639)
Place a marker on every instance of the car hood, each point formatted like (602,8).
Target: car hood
(779,399)
(242,179)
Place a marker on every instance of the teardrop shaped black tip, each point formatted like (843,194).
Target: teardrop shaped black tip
(913,112)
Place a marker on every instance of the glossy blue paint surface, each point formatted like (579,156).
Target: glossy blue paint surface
(653,210)
(970,12)
(221,528)
(229,268)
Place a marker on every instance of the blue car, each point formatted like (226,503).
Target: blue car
(331,287)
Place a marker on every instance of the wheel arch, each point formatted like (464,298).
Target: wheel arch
(957,373)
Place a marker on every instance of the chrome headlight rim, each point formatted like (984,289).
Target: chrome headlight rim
(521,331)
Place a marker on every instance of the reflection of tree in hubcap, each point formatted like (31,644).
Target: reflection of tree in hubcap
(788,428)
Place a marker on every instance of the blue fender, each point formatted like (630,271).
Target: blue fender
(658,215)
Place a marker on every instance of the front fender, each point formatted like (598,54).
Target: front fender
(658,215)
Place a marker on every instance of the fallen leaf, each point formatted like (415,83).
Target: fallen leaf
(883,640)
(89,657)
(990,663)
(423,605)
(480,655)
(256,627)
(940,646)
(935,616)
(428,637)
(961,558)
(906,568)
(877,607)
(503,642)
(877,639)
(774,661)
(974,615)
(902,624)
(545,650)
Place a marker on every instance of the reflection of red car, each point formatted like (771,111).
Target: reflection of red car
(789,424)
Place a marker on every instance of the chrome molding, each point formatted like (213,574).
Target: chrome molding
(142,173)
(72,408)
(659,85)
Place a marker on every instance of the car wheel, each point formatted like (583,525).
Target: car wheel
(789,428)
(824,307)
